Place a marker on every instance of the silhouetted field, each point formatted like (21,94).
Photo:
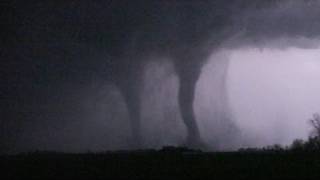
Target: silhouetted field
(162,164)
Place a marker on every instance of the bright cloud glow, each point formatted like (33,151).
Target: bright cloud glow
(274,92)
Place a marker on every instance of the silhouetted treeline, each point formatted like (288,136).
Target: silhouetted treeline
(312,144)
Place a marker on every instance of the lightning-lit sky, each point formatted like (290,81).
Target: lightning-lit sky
(273,92)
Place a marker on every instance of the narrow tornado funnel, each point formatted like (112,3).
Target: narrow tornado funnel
(188,69)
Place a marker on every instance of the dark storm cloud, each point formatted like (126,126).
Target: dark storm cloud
(291,21)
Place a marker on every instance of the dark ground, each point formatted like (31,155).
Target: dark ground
(162,164)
